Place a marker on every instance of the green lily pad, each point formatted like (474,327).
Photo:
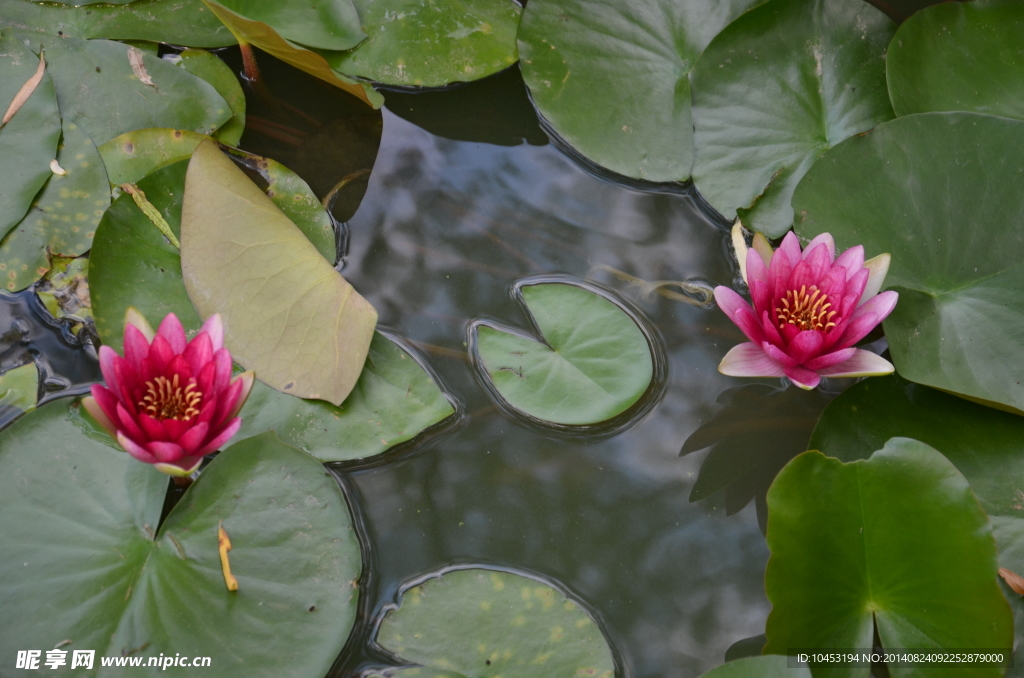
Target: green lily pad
(98,90)
(477,623)
(28,142)
(776,89)
(134,155)
(332,25)
(19,389)
(591,362)
(267,39)
(959,57)
(75,510)
(432,44)
(287,313)
(210,68)
(64,215)
(768,666)
(898,542)
(179,22)
(394,400)
(612,78)
(956,255)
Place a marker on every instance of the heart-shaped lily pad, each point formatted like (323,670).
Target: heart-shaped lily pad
(431,44)
(957,255)
(961,56)
(287,313)
(85,563)
(612,78)
(895,543)
(775,90)
(590,362)
(64,215)
(477,623)
(179,22)
(28,141)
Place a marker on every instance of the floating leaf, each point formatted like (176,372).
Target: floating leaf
(64,215)
(393,401)
(775,90)
(204,65)
(611,78)
(179,22)
(28,142)
(898,542)
(98,90)
(263,36)
(134,155)
(768,666)
(79,511)
(957,255)
(591,362)
(484,623)
(287,313)
(332,25)
(64,290)
(432,44)
(959,57)
(18,391)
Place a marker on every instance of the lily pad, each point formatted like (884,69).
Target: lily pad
(768,666)
(210,68)
(956,254)
(776,89)
(179,22)
(612,78)
(477,623)
(895,543)
(28,142)
(287,313)
(959,57)
(134,155)
(432,44)
(589,363)
(18,392)
(330,24)
(394,400)
(76,510)
(267,39)
(98,90)
(64,215)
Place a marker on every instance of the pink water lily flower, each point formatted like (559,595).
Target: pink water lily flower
(809,309)
(169,401)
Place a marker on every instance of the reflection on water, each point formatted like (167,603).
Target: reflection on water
(445,228)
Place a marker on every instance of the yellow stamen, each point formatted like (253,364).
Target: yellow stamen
(224,545)
(806,311)
(166,399)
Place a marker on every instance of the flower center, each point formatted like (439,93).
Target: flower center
(808,311)
(166,399)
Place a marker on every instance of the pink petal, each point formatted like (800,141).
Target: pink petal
(770,331)
(778,274)
(97,413)
(247,379)
(748,360)
(852,260)
(756,269)
(862,364)
(878,268)
(830,359)
(107,402)
(854,292)
(739,312)
(823,239)
(205,378)
(778,355)
(228,399)
(136,348)
(803,377)
(214,328)
(193,438)
(223,437)
(199,352)
(178,367)
(761,296)
(166,452)
(857,330)
(153,428)
(881,305)
(160,353)
(222,361)
(175,428)
(173,332)
(805,346)
(138,321)
(126,423)
(207,409)
(833,284)
(134,449)
(819,261)
(802,276)
(107,358)
(791,246)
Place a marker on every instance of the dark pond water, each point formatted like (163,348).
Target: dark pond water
(465,197)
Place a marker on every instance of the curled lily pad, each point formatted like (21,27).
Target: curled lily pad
(432,44)
(478,623)
(959,57)
(957,256)
(75,509)
(28,141)
(611,78)
(776,89)
(330,24)
(590,362)
(895,544)
(179,22)
(64,215)
(287,313)
(210,68)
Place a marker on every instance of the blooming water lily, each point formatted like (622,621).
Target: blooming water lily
(169,401)
(809,309)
